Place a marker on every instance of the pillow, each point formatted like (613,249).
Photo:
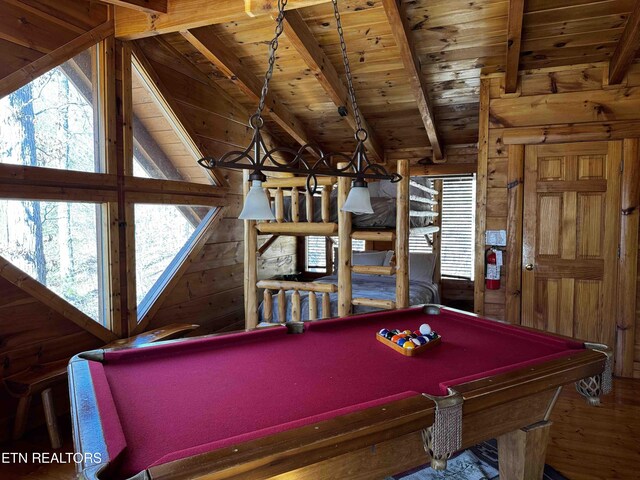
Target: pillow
(368,258)
(421,267)
(388,258)
(387,189)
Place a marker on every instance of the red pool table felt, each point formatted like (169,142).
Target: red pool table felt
(174,400)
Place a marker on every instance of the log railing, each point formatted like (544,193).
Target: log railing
(291,186)
(281,287)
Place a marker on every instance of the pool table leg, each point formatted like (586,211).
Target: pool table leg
(521,453)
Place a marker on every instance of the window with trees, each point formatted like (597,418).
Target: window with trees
(78,227)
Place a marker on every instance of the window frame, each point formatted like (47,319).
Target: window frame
(115,191)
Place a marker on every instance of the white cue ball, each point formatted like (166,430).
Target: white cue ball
(425,329)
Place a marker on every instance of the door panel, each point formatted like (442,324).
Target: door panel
(571,204)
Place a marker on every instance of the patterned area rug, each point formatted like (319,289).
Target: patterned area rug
(477,463)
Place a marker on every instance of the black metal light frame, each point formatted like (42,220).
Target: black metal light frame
(309,159)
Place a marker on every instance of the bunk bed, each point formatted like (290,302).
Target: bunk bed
(354,287)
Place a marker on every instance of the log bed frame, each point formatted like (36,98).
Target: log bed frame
(343,228)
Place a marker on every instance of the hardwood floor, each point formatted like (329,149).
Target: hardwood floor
(587,443)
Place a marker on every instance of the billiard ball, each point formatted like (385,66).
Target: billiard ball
(425,329)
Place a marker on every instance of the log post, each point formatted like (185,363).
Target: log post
(628,259)
(279,205)
(313,306)
(344,247)
(326,203)
(309,206)
(295,205)
(402,236)
(326,305)
(267,312)
(295,306)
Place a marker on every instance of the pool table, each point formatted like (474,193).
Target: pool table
(325,399)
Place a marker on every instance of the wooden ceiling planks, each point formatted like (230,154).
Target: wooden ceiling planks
(146,6)
(455,42)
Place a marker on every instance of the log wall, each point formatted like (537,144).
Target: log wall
(558,105)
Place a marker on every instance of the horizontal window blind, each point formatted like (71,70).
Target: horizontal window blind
(316,260)
(457,227)
(420,244)
(316,253)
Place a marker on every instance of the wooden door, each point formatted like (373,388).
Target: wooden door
(570,239)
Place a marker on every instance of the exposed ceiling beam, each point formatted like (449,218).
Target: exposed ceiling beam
(189,14)
(411,63)
(514,40)
(626,49)
(146,6)
(301,37)
(209,44)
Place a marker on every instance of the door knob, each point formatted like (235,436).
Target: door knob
(529,266)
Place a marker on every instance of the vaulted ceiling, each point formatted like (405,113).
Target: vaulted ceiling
(417,64)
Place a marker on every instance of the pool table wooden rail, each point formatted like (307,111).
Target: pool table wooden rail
(493,406)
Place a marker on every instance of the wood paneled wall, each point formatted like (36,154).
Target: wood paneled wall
(210,293)
(558,105)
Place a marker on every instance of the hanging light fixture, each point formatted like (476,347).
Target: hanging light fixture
(309,159)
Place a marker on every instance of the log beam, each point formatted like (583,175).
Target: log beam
(190,14)
(302,39)
(626,49)
(514,40)
(146,6)
(209,44)
(409,57)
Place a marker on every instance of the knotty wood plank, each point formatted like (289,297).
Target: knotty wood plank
(301,37)
(146,6)
(209,44)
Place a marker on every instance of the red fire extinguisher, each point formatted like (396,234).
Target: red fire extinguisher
(492,270)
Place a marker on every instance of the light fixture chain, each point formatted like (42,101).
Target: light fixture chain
(347,67)
(273,46)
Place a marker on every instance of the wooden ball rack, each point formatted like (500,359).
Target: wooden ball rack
(409,352)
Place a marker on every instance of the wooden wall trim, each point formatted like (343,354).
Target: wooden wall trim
(586,132)
(515,194)
(41,293)
(481,196)
(18,79)
(628,259)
